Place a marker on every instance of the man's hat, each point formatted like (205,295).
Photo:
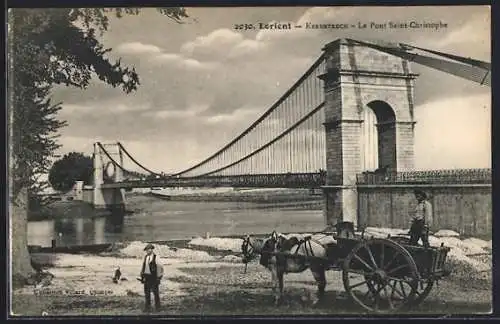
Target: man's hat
(149,246)
(419,192)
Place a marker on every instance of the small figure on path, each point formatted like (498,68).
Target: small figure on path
(421,219)
(117,275)
(151,274)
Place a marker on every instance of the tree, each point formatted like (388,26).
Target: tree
(48,47)
(69,169)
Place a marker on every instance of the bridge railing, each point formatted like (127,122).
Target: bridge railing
(454,176)
(316,179)
(285,180)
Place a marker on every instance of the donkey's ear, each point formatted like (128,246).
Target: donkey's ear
(274,235)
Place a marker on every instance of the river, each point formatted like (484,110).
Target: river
(154,219)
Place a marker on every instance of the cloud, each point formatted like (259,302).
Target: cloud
(245,47)
(472,39)
(315,15)
(454,133)
(79,144)
(221,45)
(166,114)
(167,57)
(237,76)
(241,114)
(138,48)
(192,111)
(110,107)
(212,45)
(183,63)
(469,20)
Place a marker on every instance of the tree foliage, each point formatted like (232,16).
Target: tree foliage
(47,47)
(58,46)
(65,41)
(70,168)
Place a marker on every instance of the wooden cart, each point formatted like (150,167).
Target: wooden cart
(383,274)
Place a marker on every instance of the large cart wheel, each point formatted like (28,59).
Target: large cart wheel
(424,286)
(380,275)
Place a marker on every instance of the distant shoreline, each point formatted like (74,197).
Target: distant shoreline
(279,198)
(272,196)
(282,202)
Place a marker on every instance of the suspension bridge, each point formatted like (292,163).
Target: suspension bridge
(348,121)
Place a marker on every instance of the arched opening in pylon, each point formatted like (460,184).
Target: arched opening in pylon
(378,137)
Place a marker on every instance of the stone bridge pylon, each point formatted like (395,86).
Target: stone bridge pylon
(108,162)
(359,78)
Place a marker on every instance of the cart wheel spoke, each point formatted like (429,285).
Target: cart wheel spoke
(403,289)
(382,252)
(372,259)
(397,268)
(392,260)
(359,284)
(389,299)
(364,262)
(395,290)
(359,272)
(379,289)
(401,280)
(424,287)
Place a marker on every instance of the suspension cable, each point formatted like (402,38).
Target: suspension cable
(291,128)
(467,60)
(267,113)
(112,160)
(135,161)
(469,72)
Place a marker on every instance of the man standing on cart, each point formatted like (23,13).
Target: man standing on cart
(421,219)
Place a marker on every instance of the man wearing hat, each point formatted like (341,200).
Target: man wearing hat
(421,219)
(151,274)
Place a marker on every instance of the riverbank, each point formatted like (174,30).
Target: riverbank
(266,198)
(293,197)
(221,290)
(205,276)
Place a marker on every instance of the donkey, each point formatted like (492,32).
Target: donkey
(281,255)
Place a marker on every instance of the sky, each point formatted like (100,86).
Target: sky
(203,82)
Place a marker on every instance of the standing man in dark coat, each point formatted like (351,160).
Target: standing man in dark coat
(151,274)
(421,219)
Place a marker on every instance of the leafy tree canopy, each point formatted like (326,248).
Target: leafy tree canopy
(66,48)
(70,168)
(57,46)
(48,47)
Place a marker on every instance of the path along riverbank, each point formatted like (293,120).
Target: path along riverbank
(209,271)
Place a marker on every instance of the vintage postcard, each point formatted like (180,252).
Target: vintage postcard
(257,161)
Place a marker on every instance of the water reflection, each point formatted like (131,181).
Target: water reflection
(75,231)
(114,224)
(154,219)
